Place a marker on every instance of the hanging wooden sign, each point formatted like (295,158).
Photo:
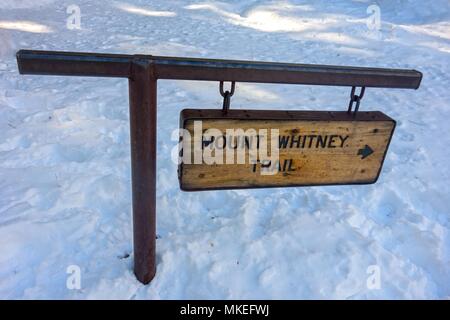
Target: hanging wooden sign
(301,148)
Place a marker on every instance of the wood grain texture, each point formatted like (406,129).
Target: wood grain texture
(316,148)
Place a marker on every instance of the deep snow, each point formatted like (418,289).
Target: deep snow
(64,156)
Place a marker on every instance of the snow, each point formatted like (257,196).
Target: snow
(65,160)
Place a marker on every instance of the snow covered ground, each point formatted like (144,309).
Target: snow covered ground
(65,160)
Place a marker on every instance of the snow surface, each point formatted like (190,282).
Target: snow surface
(65,159)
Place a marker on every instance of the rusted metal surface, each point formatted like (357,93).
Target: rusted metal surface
(226,96)
(143,72)
(355,98)
(142,90)
(112,65)
(74,63)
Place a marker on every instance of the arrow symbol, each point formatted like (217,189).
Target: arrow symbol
(365,152)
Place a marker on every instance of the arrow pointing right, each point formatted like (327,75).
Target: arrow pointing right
(365,152)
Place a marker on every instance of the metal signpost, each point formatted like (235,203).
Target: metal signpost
(356,142)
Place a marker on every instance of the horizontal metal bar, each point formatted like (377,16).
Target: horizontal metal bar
(115,65)
(73,63)
(289,74)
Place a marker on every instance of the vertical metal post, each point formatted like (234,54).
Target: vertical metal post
(142,90)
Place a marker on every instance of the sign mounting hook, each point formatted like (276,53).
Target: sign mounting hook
(355,98)
(226,96)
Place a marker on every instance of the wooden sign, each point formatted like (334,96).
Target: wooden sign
(314,148)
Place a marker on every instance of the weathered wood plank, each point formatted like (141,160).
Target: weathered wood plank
(316,148)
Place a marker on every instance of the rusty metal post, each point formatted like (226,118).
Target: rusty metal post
(142,91)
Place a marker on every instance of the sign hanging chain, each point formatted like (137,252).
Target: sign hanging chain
(226,96)
(355,98)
